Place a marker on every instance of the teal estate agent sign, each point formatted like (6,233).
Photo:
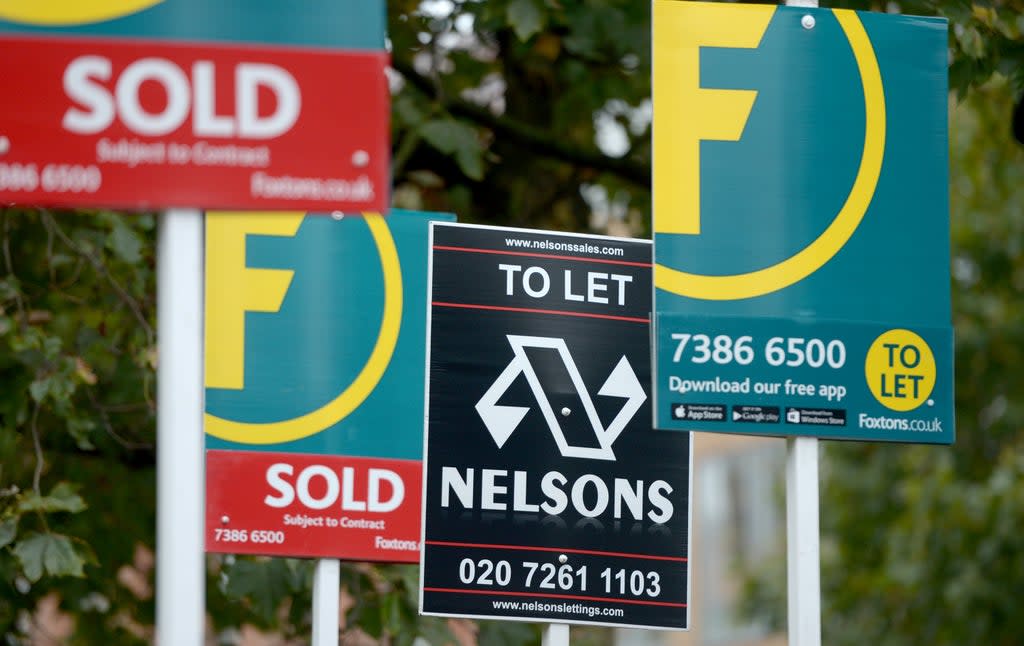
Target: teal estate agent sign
(355,24)
(315,332)
(801,223)
(315,363)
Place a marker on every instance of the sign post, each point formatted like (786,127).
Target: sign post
(326,594)
(801,246)
(556,635)
(181,571)
(803,555)
(803,558)
(547,495)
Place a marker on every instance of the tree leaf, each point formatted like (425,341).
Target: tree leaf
(80,429)
(436,631)
(507,633)
(371,616)
(8,530)
(84,371)
(453,137)
(40,388)
(264,583)
(52,346)
(125,243)
(971,42)
(525,17)
(443,134)
(10,288)
(471,162)
(51,554)
(61,498)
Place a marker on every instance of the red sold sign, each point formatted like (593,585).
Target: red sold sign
(125,124)
(292,504)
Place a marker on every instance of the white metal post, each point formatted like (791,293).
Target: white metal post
(180,563)
(803,555)
(556,635)
(803,559)
(326,617)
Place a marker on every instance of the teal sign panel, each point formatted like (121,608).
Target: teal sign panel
(315,357)
(801,223)
(350,24)
(315,333)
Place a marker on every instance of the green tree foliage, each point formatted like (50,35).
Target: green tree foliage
(924,543)
(496,115)
(77,352)
(518,112)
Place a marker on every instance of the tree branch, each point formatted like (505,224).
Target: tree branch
(37,473)
(51,224)
(527,134)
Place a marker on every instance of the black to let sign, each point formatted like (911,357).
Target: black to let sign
(548,496)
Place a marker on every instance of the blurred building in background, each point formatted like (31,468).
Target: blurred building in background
(738,525)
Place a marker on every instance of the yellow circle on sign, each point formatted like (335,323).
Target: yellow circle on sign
(356,393)
(814,256)
(900,370)
(66,13)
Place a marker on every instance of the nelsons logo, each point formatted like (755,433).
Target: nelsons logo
(501,421)
(590,495)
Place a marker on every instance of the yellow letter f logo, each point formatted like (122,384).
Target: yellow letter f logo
(232,289)
(684,112)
